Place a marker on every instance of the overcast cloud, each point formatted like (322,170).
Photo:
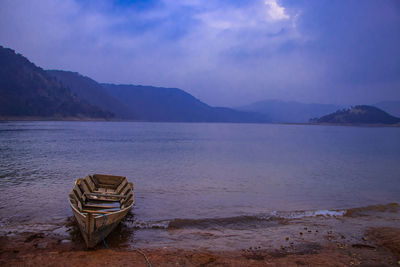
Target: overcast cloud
(224,52)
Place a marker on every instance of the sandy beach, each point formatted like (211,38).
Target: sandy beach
(368,236)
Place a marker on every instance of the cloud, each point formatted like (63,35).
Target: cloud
(275,11)
(224,52)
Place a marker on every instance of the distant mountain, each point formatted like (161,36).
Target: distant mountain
(92,92)
(147,103)
(362,114)
(391,107)
(150,103)
(281,111)
(27,90)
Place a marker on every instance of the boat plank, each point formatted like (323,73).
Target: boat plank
(101,190)
(89,183)
(111,180)
(126,191)
(95,182)
(129,202)
(121,187)
(97,211)
(78,191)
(100,206)
(84,187)
(129,196)
(105,195)
(103,200)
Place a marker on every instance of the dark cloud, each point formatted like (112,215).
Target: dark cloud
(224,52)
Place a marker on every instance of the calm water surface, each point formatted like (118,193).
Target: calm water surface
(197,171)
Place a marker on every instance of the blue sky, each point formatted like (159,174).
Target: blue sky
(227,53)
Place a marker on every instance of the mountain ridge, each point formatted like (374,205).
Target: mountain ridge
(149,103)
(26,90)
(289,111)
(174,105)
(92,92)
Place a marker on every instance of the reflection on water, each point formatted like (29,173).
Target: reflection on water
(196,171)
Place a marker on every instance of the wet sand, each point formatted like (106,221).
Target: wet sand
(381,249)
(362,237)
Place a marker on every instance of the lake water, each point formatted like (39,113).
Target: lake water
(197,175)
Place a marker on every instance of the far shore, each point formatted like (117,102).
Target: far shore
(340,124)
(87,119)
(35,118)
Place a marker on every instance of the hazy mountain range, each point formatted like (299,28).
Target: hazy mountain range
(171,104)
(148,103)
(281,111)
(29,91)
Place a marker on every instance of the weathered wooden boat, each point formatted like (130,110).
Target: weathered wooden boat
(99,202)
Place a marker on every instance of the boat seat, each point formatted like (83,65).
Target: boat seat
(94,206)
(104,190)
(104,197)
(97,211)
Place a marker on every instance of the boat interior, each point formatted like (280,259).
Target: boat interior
(100,194)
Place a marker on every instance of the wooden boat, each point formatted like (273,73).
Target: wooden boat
(99,202)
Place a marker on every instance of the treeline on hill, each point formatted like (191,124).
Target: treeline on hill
(27,90)
(361,114)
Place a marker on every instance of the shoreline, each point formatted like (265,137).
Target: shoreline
(367,236)
(381,247)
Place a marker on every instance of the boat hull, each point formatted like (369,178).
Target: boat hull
(94,231)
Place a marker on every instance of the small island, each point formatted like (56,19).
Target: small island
(362,114)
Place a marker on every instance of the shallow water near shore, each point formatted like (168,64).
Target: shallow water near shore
(196,177)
